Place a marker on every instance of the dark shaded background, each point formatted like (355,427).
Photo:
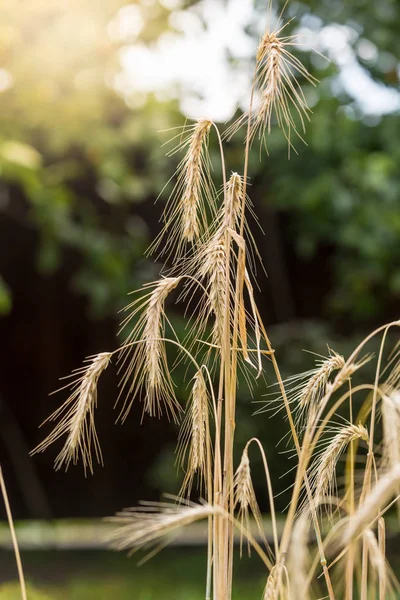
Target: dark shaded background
(80,169)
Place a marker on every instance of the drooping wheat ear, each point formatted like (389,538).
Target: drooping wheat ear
(390,407)
(76,417)
(245,498)
(393,380)
(316,385)
(277,90)
(346,373)
(375,502)
(194,435)
(322,475)
(298,560)
(145,363)
(192,201)
(147,525)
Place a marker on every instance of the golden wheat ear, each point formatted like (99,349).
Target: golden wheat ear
(194,440)
(143,358)
(76,417)
(154,523)
(191,204)
(245,500)
(277,92)
(322,474)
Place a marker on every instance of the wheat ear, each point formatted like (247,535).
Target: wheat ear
(194,435)
(76,417)
(276,88)
(192,201)
(144,526)
(323,471)
(145,365)
(245,498)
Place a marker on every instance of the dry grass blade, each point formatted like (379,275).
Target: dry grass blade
(390,407)
(375,502)
(145,364)
(76,417)
(194,440)
(298,560)
(376,558)
(322,475)
(147,525)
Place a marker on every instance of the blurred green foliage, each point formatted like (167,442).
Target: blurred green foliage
(89,163)
(176,574)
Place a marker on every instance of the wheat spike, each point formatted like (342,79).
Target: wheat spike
(277,89)
(245,498)
(316,385)
(144,526)
(192,201)
(76,417)
(323,471)
(145,363)
(194,441)
(270,592)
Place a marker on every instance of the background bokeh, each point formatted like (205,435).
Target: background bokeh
(88,92)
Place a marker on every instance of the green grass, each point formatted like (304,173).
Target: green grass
(174,574)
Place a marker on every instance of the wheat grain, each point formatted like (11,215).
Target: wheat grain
(76,417)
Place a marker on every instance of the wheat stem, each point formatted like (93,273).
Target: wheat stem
(13,536)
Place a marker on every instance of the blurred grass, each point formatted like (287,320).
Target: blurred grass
(174,574)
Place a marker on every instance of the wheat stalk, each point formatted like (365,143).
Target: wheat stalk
(299,557)
(76,417)
(372,506)
(390,407)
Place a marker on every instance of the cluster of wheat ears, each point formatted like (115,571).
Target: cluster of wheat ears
(332,544)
